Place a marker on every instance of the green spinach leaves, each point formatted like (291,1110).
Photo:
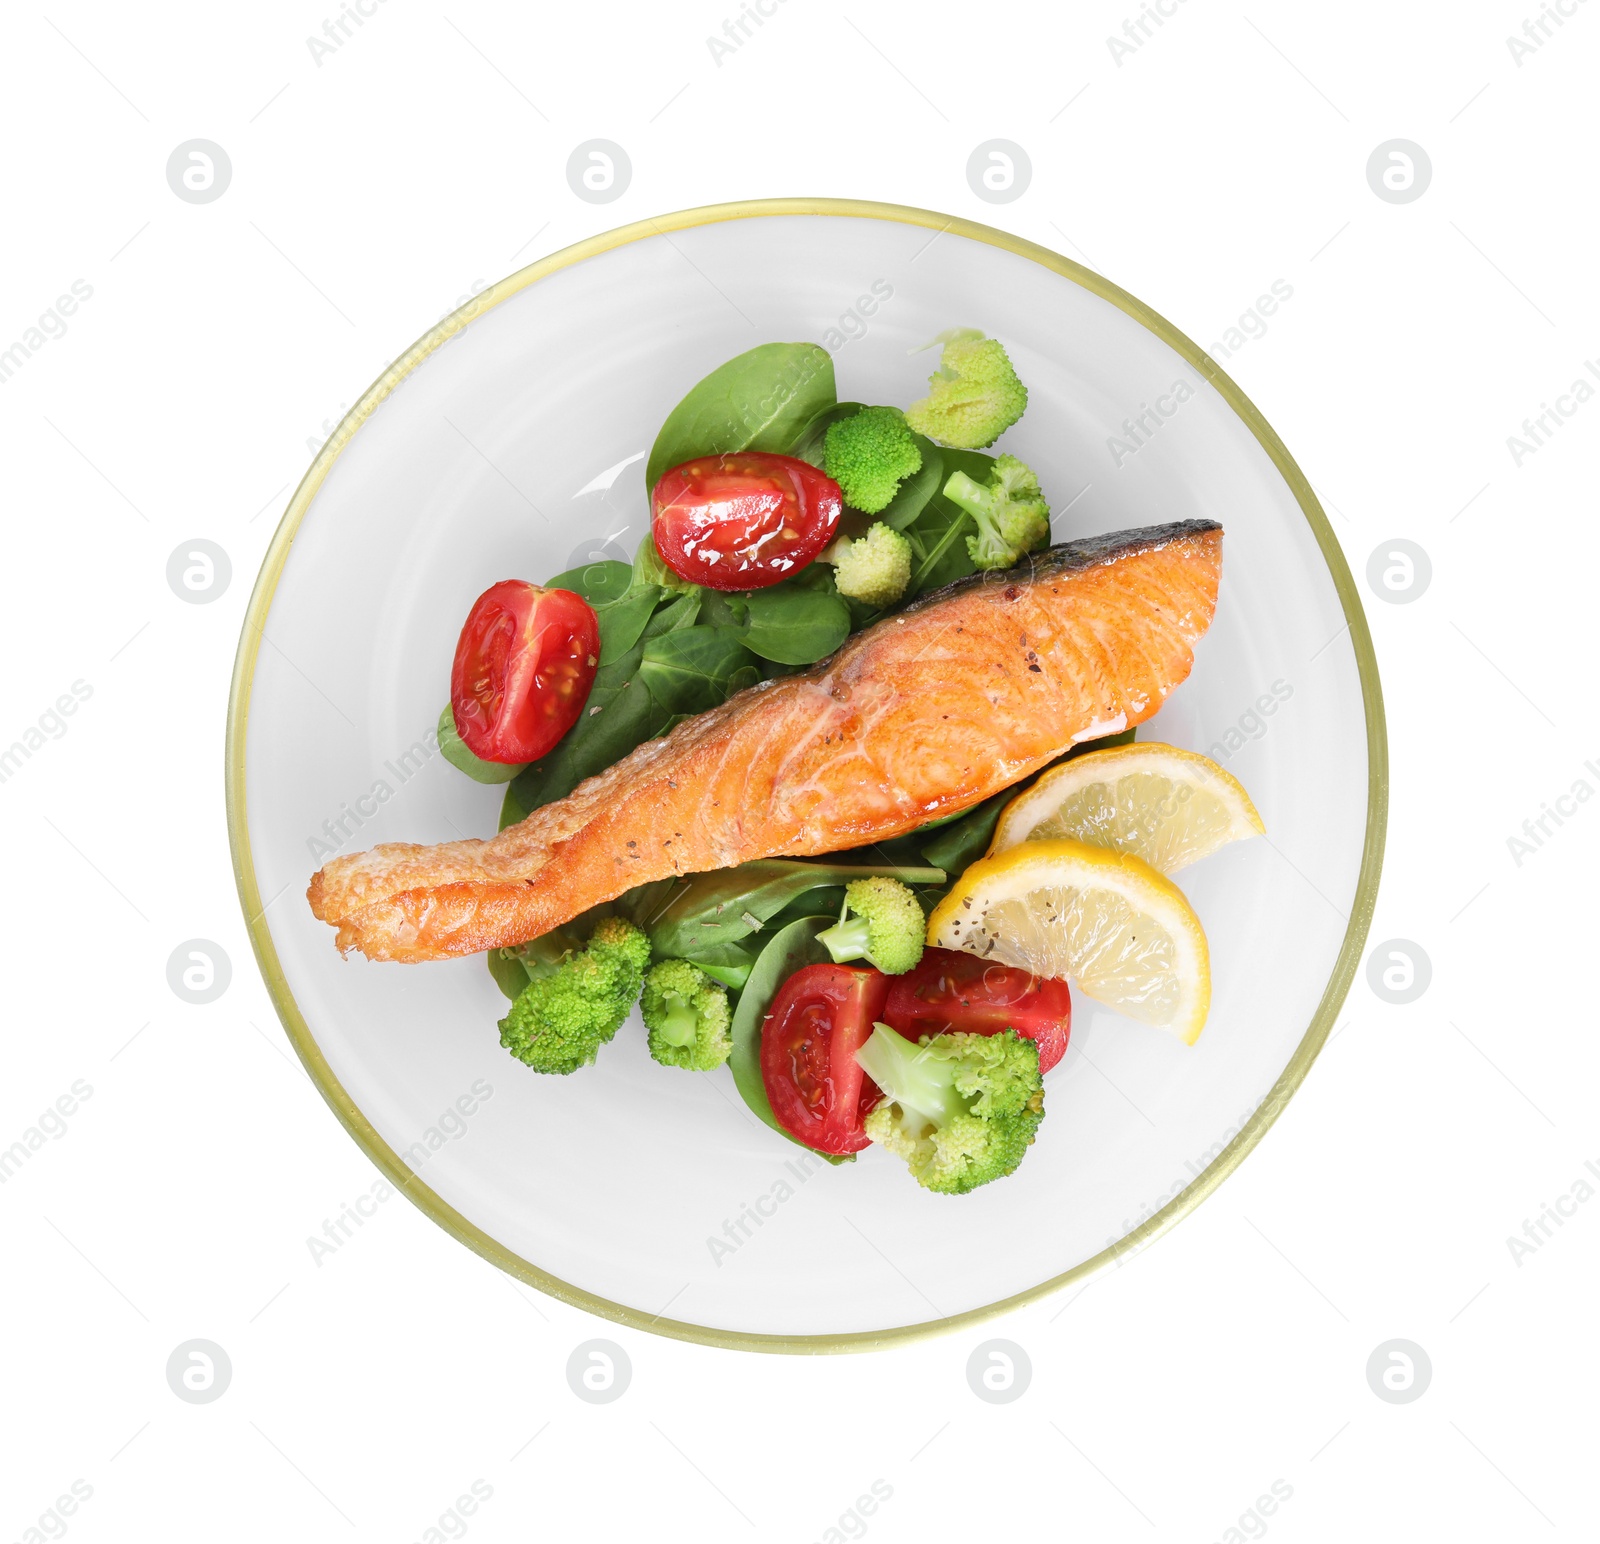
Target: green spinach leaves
(760,400)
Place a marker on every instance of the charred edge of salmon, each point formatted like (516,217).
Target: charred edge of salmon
(1068,557)
(1064,557)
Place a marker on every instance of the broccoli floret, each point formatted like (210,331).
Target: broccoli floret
(688,1017)
(869,455)
(886,928)
(576,997)
(875,569)
(1012,515)
(960,1109)
(973,397)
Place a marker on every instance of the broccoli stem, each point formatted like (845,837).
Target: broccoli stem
(973,497)
(848,940)
(977,501)
(910,1077)
(679,1023)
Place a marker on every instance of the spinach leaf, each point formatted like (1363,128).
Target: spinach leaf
(454,750)
(507,971)
(622,597)
(890,856)
(808,444)
(688,670)
(719,608)
(938,534)
(785,953)
(962,841)
(814,576)
(912,496)
(616,718)
(676,614)
(759,400)
(648,568)
(598,583)
(672,670)
(794,624)
(686,917)
(828,901)
(730,964)
(511,810)
(622,622)
(672,673)
(734,953)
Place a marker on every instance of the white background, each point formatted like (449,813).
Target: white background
(425,157)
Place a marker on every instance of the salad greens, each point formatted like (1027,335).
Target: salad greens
(939,555)
(795,624)
(704,912)
(917,489)
(454,750)
(688,669)
(759,400)
(719,946)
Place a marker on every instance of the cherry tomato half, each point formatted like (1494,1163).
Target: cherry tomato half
(953,991)
(523,669)
(741,522)
(820,1018)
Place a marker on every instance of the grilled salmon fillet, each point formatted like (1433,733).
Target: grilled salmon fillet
(925,714)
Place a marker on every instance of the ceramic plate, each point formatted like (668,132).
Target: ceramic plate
(509,442)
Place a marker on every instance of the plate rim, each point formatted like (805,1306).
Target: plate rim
(299,1031)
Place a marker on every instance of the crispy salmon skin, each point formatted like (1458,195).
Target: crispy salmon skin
(924,714)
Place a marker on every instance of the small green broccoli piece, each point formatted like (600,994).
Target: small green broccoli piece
(887,927)
(577,996)
(869,455)
(960,1109)
(688,1017)
(1009,508)
(973,397)
(874,569)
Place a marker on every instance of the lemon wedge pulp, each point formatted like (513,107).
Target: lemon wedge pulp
(1168,806)
(1121,931)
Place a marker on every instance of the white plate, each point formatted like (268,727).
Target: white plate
(507,443)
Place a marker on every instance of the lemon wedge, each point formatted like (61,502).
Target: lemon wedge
(1168,806)
(1121,931)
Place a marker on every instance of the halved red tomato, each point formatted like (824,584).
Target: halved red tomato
(523,668)
(820,1018)
(953,991)
(744,521)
